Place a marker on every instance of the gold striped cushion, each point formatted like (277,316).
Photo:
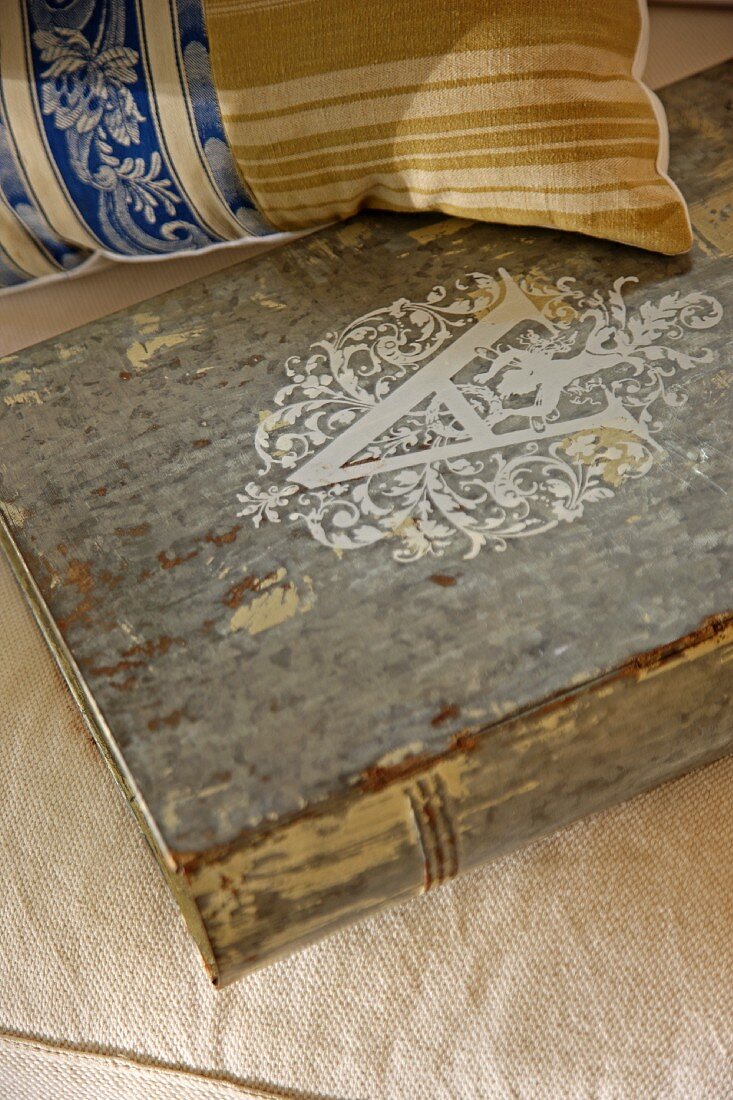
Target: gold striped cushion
(527,113)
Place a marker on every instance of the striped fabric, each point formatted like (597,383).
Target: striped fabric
(110,136)
(492,109)
(151,127)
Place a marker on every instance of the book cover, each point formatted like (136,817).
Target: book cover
(386,552)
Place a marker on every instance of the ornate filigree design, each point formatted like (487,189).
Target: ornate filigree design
(103,140)
(594,357)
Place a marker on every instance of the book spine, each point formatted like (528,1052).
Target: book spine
(408,825)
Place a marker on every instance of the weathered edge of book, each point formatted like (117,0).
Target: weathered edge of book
(413,823)
(105,742)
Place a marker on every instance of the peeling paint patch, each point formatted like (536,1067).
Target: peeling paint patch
(140,354)
(273,607)
(71,351)
(398,756)
(147,323)
(16,515)
(320,248)
(614,453)
(444,228)
(354,233)
(268,303)
(26,397)
(713,220)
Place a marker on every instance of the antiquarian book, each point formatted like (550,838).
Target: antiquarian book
(390,550)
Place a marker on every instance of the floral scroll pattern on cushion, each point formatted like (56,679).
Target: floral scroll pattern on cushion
(124,150)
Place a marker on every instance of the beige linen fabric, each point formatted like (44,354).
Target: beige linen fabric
(685,40)
(597,963)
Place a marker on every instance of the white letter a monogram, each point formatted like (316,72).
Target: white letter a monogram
(334,464)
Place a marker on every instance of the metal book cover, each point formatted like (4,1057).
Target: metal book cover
(387,551)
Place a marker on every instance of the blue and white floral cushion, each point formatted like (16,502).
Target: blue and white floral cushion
(111,138)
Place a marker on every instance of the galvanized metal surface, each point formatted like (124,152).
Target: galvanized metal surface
(346,703)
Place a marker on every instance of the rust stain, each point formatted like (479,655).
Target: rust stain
(126,685)
(378,776)
(79,575)
(110,579)
(234,595)
(169,721)
(137,656)
(717,630)
(227,884)
(125,375)
(167,562)
(200,443)
(101,491)
(713,631)
(123,665)
(153,648)
(79,614)
(443,579)
(463,741)
(447,714)
(222,540)
(135,532)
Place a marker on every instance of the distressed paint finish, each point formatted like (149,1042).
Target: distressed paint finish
(416,824)
(308,734)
